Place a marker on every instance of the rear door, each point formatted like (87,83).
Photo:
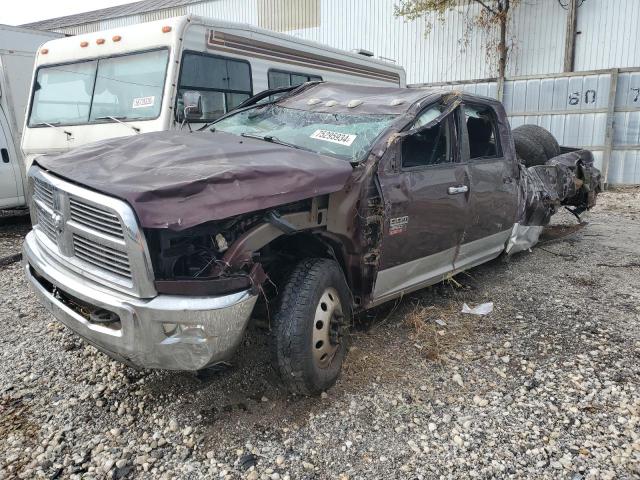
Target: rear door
(426,196)
(493,186)
(10,194)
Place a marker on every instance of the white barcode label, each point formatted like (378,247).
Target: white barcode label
(334,137)
(142,102)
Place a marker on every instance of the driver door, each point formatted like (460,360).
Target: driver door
(426,195)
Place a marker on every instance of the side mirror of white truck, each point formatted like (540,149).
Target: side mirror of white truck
(192,107)
(192,102)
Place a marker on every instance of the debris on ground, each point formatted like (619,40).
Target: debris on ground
(482,309)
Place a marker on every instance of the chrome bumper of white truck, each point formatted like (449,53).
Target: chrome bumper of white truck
(166,332)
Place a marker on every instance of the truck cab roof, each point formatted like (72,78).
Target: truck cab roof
(348,98)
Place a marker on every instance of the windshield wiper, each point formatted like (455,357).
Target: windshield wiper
(54,125)
(272,139)
(119,120)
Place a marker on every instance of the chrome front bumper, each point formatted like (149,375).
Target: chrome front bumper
(208,328)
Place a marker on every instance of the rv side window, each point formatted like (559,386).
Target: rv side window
(223,83)
(280,78)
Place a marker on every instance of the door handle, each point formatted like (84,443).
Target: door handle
(5,155)
(457,189)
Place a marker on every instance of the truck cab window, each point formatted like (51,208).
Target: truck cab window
(481,131)
(126,87)
(129,86)
(427,147)
(62,93)
(223,83)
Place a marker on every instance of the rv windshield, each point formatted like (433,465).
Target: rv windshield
(126,87)
(346,136)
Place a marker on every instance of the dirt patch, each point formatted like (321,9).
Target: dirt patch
(553,233)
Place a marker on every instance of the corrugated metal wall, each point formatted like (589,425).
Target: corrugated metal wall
(608,29)
(538,41)
(596,110)
(573,108)
(609,34)
(625,156)
(538,32)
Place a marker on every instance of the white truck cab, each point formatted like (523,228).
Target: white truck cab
(130,80)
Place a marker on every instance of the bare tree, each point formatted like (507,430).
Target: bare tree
(492,14)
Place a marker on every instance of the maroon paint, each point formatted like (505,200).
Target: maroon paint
(178,180)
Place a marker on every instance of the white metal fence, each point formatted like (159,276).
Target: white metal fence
(598,110)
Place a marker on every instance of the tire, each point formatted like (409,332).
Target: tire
(310,326)
(535,145)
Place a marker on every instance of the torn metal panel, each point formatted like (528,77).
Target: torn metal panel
(522,238)
(569,180)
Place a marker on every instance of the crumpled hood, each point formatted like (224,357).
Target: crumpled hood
(177,180)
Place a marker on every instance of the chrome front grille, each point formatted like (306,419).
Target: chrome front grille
(95,217)
(101,256)
(94,235)
(45,221)
(43,192)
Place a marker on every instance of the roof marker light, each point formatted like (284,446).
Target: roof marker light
(331,103)
(84,44)
(396,101)
(313,101)
(44,51)
(116,38)
(100,41)
(354,103)
(166,29)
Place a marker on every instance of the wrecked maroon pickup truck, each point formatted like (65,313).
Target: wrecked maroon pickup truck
(307,208)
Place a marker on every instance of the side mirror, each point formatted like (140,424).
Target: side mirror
(192,102)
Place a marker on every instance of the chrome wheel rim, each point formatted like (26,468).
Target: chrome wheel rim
(327,328)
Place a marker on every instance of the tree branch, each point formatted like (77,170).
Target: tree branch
(487,7)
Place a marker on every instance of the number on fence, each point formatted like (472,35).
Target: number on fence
(589,97)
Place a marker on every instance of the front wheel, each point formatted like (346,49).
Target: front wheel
(311,326)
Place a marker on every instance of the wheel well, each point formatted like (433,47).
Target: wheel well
(279,256)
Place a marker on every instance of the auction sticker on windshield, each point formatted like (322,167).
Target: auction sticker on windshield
(334,137)
(142,102)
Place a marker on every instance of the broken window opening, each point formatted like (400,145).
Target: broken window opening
(429,146)
(482,132)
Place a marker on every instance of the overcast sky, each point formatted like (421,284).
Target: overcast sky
(17,12)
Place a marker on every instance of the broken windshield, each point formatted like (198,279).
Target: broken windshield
(128,87)
(346,136)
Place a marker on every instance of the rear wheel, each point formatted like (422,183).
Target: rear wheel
(311,326)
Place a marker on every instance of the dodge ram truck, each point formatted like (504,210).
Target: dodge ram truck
(305,207)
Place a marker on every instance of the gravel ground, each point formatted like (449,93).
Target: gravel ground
(546,386)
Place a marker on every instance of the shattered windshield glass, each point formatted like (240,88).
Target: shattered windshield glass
(346,136)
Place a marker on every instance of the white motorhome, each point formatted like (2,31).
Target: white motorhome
(18,47)
(131,80)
